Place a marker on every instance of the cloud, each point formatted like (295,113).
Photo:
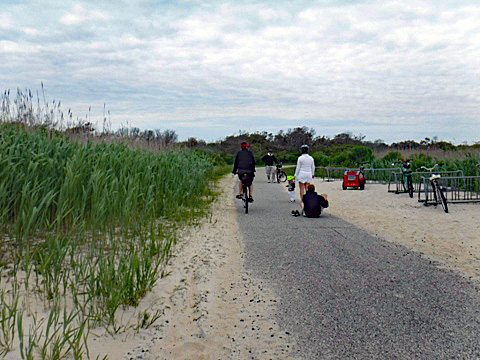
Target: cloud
(79,14)
(7,46)
(379,61)
(5,21)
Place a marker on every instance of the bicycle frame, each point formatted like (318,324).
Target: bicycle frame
(437,190)
(280,174)
(438,193)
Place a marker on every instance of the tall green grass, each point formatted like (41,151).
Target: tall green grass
(90,228)
(55,185)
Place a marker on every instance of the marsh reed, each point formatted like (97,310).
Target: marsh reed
(86,230)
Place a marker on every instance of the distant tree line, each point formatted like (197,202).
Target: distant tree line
(344,149)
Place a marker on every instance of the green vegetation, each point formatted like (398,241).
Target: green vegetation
(87,230)
(88,220)
(343,150)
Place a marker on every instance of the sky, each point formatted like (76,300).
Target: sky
(389,70)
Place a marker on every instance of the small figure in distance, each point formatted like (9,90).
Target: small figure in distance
(245,167)
(291,188)
(314,203)
(269,159)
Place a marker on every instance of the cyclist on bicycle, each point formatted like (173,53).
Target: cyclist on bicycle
(244,166)
(269,159)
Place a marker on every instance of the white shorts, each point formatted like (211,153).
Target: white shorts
(304,178)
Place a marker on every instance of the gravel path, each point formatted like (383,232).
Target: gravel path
(347,295)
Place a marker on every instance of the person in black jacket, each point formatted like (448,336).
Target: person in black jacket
(313,203)
(269,159)
(245,167)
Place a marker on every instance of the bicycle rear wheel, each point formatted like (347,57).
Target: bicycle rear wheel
(443,199)
(282,176)
(245,198)
(410,186)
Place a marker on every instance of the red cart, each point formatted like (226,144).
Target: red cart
(354,179)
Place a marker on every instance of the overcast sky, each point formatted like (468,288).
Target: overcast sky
(391,70)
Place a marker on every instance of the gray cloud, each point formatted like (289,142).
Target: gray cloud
(375,67)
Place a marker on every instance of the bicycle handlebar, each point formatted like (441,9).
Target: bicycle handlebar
(429,169)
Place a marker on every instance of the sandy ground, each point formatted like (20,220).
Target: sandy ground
(209,307)
(451,239)
(213,309)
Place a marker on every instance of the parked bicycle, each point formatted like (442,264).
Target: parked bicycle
(407,182)
(281,175)
(437,189)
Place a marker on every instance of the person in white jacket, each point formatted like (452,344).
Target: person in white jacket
(305,171)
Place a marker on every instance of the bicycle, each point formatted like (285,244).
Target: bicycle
(280,174)
(246,183)
(438,191)
(407,181)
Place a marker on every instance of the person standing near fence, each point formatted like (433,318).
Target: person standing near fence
(305,171)
(269,159)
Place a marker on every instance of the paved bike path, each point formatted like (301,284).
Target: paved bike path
(344,294)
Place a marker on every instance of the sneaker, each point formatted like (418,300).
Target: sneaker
(250,199)
(238,196)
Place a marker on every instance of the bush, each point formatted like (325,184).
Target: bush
(320,159)
(359,154)
(392,156)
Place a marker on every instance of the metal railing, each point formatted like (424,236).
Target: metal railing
(395,184)
(328,173)
(458,189)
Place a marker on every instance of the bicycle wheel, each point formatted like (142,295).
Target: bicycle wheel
(282,177)
(443,199)
(434,192)
(245,198)
(410,186)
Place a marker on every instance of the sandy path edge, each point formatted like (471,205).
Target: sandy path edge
(211,307)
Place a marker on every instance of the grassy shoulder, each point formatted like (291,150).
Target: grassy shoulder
(86,231)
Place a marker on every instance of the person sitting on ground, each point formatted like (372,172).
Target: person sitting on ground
(313,203)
